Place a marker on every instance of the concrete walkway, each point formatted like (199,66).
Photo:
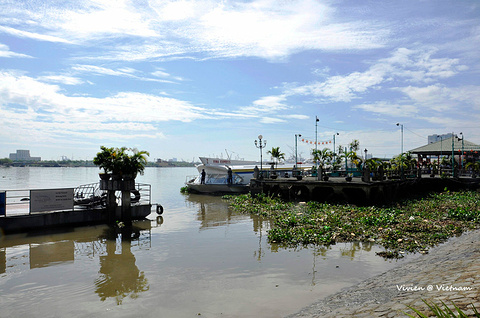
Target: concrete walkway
(449,273)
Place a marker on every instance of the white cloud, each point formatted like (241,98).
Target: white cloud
(389,109)
(420,66)
(5,52)
(123,72)
(435,97)
(163,74)
(296,116)
(439,97)
(32,35)
(171,29)
(273,29)
(63,79)
(271,120)
(93,69)
(340,88)
(266,104)
(176,10)
(32,105)
(107,18)
(403,64)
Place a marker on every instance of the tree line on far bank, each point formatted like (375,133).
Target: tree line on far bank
(6,162)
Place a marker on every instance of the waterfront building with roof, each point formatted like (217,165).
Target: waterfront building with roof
(462,150)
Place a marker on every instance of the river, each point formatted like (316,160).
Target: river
(200,259)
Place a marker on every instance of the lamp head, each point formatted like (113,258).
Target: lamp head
(260,137)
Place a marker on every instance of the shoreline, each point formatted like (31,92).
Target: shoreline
(450,272)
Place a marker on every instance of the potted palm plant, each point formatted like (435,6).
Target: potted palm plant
(121,163)
(104,160)
(475,166)
(134,164)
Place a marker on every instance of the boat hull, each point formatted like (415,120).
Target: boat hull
(217,188)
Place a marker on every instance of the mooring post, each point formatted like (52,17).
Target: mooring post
(111,206)
(126,208)
(125,186)
(366,174)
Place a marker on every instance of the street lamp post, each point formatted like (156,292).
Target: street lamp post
(296,158)
(366,174)
(401,154)
(259,144)
(461,157)
(453,156)
(401,126)
(334,150)
(316,141)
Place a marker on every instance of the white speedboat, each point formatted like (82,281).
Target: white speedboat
(216,178)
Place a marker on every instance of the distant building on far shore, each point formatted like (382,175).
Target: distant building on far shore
(23,155)
(434,138)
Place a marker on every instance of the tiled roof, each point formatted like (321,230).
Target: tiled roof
(445,147)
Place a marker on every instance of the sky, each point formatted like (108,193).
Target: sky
(183,79)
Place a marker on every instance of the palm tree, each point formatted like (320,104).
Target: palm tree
(352,156)
(475,166)
(323,156)
(373,164)
(276,154)
(136,162)
(354,145)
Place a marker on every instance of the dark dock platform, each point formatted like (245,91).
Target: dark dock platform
(338,190)
(78,217)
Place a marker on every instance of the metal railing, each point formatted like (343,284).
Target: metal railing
(87,196)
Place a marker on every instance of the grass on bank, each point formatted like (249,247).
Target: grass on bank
(407,226)
(444,312)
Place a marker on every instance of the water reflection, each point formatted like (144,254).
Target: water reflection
(120,276)
(213,212)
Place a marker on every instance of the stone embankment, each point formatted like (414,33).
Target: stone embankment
(450,273)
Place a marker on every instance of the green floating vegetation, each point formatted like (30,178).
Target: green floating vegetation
(407,226)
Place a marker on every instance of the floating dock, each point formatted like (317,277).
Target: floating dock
(80,217)
(27,210)
(338,190)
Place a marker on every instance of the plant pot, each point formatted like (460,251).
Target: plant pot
(325,178)
(116,177)
(348,179)
(104,176)
(129,177)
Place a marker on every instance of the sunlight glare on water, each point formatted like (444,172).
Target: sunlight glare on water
(199,259)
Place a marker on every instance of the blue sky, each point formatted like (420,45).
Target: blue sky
(192,78)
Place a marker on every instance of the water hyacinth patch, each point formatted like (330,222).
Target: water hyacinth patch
(408,226)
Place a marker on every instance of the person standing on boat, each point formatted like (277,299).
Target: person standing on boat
(203,174)
(230,176)
(256,172)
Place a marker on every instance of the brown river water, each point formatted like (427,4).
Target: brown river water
(199,259)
